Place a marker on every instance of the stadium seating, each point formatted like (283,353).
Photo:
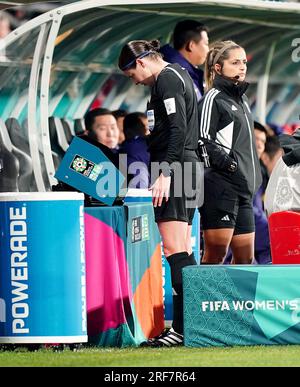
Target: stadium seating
(9,164)
(25,177)
(58,140)
(19,137)
(79,127)
(67,130)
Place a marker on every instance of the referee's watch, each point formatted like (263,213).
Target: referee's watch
(232,167)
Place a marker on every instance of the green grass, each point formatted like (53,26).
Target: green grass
(261,356)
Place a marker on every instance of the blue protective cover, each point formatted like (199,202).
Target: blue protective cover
(86,168)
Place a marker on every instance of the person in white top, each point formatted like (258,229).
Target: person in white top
(283,189)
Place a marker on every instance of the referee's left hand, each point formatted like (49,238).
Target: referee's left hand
(160,190)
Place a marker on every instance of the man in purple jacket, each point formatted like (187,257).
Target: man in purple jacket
(136,148)
(190,47)
(262,240)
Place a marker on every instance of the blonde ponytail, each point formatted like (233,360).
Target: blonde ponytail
(218,52)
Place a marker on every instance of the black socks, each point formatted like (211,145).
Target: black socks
(177,262)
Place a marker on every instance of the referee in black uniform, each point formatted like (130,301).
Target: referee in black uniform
(176,188)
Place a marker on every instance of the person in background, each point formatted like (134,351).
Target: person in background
(233,172)
(5,29)
(271,154)
(119,115)
(261,134)
(273,129)
(173,122)
(102,127)
(262,251)
(190,47)
(5,24)
(136,148)
(283,190)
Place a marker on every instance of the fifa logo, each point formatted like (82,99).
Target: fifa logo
(296,51)
(2,311)
(79,164)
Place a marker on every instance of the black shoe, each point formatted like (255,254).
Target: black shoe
(168,338)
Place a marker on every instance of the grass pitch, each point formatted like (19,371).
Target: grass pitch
(256,356)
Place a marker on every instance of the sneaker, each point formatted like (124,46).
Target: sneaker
(168,338)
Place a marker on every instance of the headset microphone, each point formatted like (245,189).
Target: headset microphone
(234,79)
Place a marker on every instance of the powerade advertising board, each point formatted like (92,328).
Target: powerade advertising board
(86,168)
(42,268)
(241,305)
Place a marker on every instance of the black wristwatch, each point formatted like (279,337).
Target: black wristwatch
(232,167)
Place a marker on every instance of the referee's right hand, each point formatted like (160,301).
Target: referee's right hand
(160,190)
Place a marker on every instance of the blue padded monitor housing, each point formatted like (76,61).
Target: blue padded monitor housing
(87,169)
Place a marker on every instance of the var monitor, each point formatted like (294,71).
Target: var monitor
(88,169)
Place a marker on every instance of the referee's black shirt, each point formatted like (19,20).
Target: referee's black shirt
(172,115)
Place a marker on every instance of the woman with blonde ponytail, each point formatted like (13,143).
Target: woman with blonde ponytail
(217,53)
(233,173)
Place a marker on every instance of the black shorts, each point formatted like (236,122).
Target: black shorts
(186,197)
(224,208)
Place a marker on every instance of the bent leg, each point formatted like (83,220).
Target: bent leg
(242,246)
(216,244)
(174,235)
(189,240)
